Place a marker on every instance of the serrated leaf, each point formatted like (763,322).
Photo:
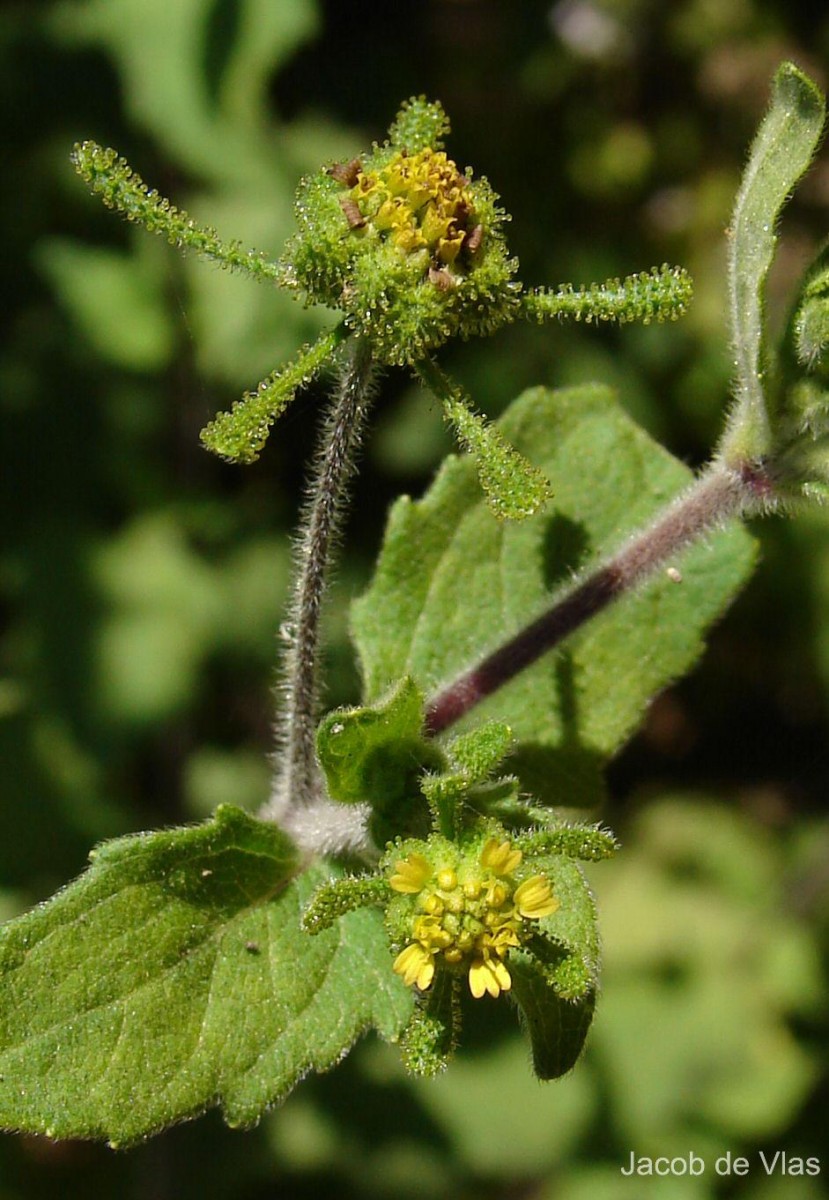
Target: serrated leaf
(556,991)
(781,152)
(556,1028)
(452,583)
(174,976)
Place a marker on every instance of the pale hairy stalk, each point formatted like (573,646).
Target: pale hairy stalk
(297,789)
(721,493)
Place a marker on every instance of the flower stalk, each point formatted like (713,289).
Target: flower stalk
(297,778)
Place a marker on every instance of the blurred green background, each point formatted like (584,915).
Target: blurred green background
(142,581)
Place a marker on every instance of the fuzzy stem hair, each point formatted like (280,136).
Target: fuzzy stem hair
(297,783)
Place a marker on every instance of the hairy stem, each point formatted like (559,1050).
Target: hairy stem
(721,493)
(297,780)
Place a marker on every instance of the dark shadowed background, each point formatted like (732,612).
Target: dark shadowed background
(142,580)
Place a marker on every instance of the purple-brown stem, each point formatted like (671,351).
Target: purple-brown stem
(720,493)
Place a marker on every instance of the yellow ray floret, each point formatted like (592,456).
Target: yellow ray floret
(534,898)
(410,874)
(489,975)
(500,857)
(416,965)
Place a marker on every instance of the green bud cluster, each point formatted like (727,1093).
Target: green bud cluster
(408,247)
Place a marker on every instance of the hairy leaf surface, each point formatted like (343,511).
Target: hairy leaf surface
(782,151)
(173,976)
(452,584)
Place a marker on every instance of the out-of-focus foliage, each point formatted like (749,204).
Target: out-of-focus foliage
(142,581)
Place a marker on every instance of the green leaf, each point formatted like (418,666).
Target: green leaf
(451,584)
(174,976)
(367,752)
(556,990)
(556,1028)
(782,151)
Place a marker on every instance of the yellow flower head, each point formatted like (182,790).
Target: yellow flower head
(419,202)
(409,247)
(464,909)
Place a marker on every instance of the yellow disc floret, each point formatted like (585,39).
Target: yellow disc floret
(419,202)
(466,910)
